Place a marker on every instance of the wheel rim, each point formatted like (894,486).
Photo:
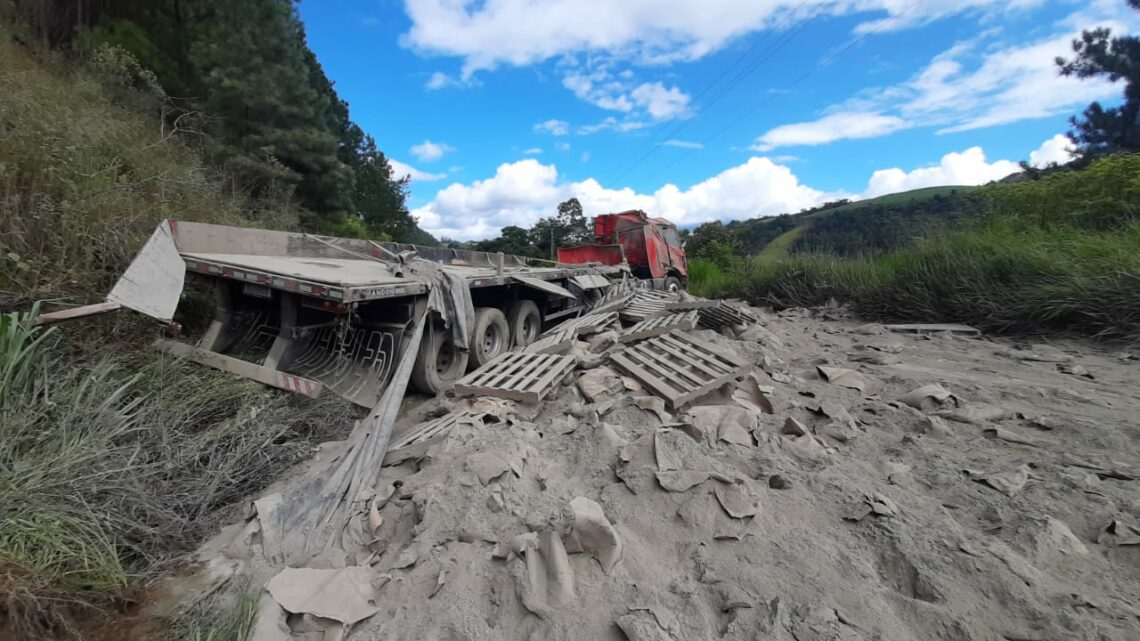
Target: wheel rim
(492,340)
(444,358)
(530,329)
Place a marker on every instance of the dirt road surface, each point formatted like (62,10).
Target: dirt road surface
(1001,504)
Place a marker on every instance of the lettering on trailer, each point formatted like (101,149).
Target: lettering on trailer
(379,292)
(297,384)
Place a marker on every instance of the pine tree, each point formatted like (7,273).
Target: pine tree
(1101,130)
(273,118)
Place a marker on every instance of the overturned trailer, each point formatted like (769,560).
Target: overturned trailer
(303,312)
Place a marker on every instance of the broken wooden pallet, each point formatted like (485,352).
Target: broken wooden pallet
(660,325)
(678,367)
(716,313)
(559,342)
(612,303)
(415,443)
(588,324)
(520,376)
(647,303)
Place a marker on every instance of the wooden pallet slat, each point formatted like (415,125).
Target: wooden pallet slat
(521,376)
(715,314)
(659,325)
(551,343)
(588,324)
(678,367)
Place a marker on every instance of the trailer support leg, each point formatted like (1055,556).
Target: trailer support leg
(223,310)
(285,335)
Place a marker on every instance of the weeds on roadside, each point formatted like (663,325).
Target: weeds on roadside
(110,468)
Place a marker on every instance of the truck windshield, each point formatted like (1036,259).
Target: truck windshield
(670,236)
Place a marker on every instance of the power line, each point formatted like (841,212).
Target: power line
(785,38)
(653,140)
(789,85)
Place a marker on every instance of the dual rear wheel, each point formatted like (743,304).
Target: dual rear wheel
(440,363)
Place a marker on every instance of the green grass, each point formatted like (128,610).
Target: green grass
(132,458)
(997,278)
(114,460)
(781,246)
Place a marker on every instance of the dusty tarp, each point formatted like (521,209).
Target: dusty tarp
(345,595)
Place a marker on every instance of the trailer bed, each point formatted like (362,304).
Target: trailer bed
(351,279)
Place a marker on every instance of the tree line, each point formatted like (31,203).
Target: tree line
(237,78)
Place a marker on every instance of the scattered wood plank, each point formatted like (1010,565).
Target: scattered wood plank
(934,328)
(61,315)
(521,376)
(647,303)
(552,343)
(678,367)
(588,324)
(660,325)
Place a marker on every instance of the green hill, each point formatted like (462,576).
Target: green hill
(844,227)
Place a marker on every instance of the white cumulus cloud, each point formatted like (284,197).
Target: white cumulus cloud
(968,167)
(662,103)
(428,151)
(521,192)
(1057,149)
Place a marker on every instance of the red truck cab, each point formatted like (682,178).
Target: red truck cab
(651,246)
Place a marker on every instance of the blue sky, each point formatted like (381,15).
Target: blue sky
(697,111)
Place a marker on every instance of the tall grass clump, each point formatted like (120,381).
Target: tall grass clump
(113,465)
(995,277)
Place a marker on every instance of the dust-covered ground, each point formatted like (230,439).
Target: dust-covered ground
(1000,505)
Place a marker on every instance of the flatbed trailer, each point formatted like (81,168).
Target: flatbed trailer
(303,312)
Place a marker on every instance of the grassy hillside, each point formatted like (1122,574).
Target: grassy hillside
(849,228)
(1060,253)
(113,459)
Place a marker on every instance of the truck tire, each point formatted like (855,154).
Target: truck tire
(439,363)
(491,336)
(525,322)
(673,284)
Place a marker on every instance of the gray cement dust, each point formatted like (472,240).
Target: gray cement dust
(882,521)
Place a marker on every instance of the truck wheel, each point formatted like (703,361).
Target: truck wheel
(525,322)
(439,363)
(673,284)
(491,336)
